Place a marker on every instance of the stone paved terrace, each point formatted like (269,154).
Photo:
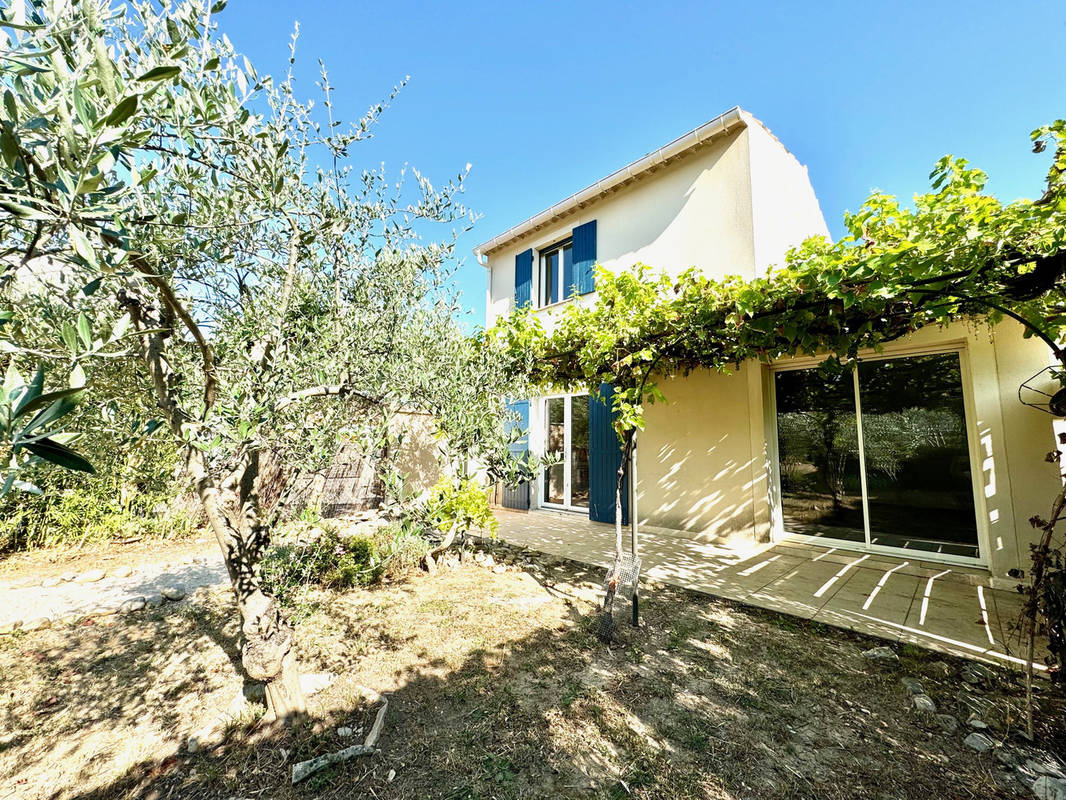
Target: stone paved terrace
(942,607)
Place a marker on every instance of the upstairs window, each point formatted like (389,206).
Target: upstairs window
(556,273)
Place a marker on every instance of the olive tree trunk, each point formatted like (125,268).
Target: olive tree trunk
(268,651)
(231,505)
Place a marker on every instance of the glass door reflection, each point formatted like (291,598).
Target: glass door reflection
(878,455)
(566,439)
(818,455)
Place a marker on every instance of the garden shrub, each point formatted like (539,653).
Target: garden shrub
(87,513)
(464,503)
(315,557)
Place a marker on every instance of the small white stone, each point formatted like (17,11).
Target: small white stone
(1048,788)
(499,569)
(192,746)
(92,576)
(391,776)
(48,583)
(976,723)
(133,604)
(344,732)
(979,742)
(37,624)
(924,704)
(174,593)
(154,600)
(881,655)
(122,572)
(68,576)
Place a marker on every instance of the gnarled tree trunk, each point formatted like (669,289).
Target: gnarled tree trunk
(268,651)
(234,515)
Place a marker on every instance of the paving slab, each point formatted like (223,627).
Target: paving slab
(899,599)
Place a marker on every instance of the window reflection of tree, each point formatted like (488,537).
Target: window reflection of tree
(816,427)
(914,445)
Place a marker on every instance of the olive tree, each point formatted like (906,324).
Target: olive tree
(175,200)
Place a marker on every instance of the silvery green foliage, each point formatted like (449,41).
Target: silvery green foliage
(141,154)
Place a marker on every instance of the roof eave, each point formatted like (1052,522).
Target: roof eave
(724,123)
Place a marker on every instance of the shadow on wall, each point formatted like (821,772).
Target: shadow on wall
(418,454)
(716,503)
(695,464)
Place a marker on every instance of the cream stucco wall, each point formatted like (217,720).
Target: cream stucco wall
(784,208)
(694,212)
(706,458)
(734,206)
(695,458)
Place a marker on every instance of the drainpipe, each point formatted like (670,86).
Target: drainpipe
(633,512)
(488,282)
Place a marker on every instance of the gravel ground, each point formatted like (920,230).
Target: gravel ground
(32,605)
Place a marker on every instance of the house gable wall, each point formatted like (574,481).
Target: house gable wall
(693,212)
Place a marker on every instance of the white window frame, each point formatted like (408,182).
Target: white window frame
(778,532)
(542,436)
(542,257)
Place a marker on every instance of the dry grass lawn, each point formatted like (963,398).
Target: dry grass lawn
(499,690)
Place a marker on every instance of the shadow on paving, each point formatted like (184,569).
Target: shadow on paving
(707,699)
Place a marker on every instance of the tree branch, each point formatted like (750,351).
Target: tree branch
(324,390)
(166,292)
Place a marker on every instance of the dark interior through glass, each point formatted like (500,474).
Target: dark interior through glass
(918,479)
(916,455)
(818,455)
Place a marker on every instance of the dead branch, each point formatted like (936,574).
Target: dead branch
(304,769)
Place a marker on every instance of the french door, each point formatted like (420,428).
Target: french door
(565,484)
(878,456)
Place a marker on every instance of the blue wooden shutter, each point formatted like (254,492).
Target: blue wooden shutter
(584,238)
(523,281)
(518,496)
(605,456)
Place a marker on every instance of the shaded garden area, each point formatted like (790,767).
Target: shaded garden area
(499,688)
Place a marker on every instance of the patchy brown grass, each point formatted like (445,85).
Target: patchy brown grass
(499,690)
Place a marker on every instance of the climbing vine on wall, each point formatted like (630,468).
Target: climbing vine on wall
(955,253)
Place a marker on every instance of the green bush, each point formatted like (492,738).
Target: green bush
(77,515)
(134,493)
(464,504)
(327,560)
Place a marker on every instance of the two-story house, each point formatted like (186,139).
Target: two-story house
(924,449)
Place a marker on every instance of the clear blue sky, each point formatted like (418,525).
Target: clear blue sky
(544,98)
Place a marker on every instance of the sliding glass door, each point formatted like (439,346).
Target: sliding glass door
(878,455)
(566,438)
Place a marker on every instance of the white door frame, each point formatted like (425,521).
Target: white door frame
(972,441)
(566,505)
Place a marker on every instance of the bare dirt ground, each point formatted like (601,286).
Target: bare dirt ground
(499,690)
